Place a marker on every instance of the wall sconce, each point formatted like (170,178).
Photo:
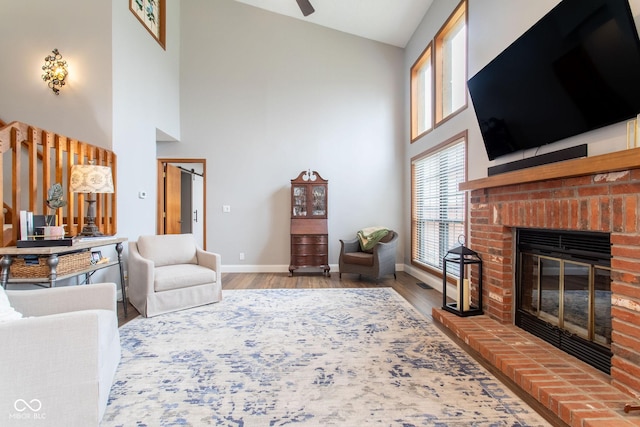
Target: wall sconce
(55,71)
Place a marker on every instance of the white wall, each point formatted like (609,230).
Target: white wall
(493,25)
(146,98)
(264,97)
(121,87)
(82,34)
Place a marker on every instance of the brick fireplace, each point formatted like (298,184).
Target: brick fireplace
(600,193)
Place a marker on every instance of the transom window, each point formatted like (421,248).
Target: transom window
(422,95)
(451,64)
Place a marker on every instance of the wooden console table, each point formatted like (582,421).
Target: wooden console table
(53,254)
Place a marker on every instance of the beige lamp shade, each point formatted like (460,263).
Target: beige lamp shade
(91,179)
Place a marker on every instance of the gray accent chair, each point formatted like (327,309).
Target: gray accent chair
(375,264)
(170,272)
(59,360)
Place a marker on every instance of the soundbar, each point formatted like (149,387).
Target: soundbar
(543,159)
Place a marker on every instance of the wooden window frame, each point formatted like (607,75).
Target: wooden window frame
(460,12)
(425,58)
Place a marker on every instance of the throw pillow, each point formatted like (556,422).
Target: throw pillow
(7,313)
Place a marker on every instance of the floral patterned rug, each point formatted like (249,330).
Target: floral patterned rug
(312,357)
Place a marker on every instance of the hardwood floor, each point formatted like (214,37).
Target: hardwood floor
(406,285)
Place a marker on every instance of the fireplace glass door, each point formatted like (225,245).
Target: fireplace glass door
(572,296)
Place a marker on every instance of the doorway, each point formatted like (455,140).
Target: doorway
(182,198)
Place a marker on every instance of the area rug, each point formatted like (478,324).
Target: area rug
(312,357)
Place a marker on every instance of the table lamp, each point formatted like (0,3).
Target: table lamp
(91,179)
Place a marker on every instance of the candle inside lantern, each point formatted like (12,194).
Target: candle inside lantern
(464,304)
(465,294)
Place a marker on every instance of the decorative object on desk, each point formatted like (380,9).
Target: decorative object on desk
(55,71)
(465,258)
(26,224)
(39,224)
(53,232)
(54,202)
(96,256)
(91,179)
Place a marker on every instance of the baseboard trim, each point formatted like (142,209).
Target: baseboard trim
(237,268)
(433,281)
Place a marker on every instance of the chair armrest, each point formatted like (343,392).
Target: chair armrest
(384,251)
(349,245)
(209,259)
(140,273)
(39,302)
(53,359)
(382,248)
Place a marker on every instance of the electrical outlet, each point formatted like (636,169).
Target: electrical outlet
(241,256)
(226,208)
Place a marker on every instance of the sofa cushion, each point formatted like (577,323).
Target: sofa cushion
(359,258)
(7,313)
(168,249)
(181,276)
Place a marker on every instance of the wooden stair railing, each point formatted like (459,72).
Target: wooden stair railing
(40,158)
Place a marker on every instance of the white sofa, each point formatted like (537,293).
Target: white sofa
(58,362)
(170,272)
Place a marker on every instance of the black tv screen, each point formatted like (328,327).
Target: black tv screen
(575,70)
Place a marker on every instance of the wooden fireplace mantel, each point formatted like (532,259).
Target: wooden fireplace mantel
(610,162)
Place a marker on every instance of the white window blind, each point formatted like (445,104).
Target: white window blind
(438,210)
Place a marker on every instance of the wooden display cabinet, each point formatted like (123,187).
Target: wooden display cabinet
(309,231)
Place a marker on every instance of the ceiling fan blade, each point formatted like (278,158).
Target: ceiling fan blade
(305,7)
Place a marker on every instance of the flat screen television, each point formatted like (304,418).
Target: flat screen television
(575,70)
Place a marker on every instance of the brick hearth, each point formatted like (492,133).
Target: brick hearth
(593,194)
(568,390)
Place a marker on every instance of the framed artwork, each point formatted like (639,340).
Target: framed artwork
(151,13)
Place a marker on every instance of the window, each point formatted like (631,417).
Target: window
(421,95)
(451,64)
(438,207)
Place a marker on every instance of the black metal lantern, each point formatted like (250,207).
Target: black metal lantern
(462,259)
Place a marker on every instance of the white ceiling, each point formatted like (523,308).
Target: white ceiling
(387,21)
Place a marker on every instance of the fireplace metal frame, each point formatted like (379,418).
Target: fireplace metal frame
(567,246)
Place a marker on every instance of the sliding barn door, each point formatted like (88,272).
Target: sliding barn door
(172,200)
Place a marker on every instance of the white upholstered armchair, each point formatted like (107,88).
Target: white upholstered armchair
(170,272)
(58,362)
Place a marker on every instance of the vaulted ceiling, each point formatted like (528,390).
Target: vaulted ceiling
(387,21)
